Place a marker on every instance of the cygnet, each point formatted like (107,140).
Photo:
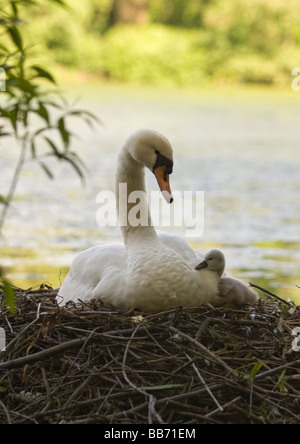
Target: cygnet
(232,290)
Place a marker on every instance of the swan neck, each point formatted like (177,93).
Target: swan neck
(220,272)
(131,199)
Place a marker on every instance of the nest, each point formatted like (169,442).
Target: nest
(94,364)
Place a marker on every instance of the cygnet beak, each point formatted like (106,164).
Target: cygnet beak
(163,180)
(203,264)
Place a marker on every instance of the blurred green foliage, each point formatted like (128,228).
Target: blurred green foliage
(184,42)
(179,13)
(34,119)
(153,54)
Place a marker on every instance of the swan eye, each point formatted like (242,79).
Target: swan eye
(163,161)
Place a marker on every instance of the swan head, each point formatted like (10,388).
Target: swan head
(214,260)
(152,150)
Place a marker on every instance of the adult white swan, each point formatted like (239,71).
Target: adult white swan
(148,274)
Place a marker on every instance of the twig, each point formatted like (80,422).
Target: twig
(20,362)
(203,348)
(277,369)
(228,404)
(152,400)
(14,183)
(13,343)
(102,368)
(8,418)
(270,294)
(202,328)
(76,393)
(205,385)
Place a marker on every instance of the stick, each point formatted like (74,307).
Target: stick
(203,348)
(220,408)
(152,400)
(20,362)
(13,184)
(270,294)
(277,369)
(228,404)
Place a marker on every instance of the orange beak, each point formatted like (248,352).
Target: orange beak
(163,180)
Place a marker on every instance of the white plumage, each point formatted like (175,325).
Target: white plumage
(150,272)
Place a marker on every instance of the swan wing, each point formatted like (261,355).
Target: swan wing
(93,267)
(181,247)
(103,272)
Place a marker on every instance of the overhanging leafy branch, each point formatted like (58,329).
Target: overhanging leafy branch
(31,115)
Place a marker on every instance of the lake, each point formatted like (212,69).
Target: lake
(240,148)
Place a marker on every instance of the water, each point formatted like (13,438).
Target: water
(241,149)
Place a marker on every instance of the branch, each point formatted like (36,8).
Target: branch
(270,294)
(20,362)
(14,183)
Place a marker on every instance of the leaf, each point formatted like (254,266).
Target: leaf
(43,73)
(71,158)
(3,132)
(43,112)
(60,2)
(40,131)
(287,311)
(54,104)
(5,51)
(280,325)
(14,8)
(46,169)
(25,86)
(11,115)
(64,132)
(78,160)
(33,149)
(3,200)
(255,370)
(16,37)
(10,297)
(74,164)
(21,83)
(86,115)
(9,294)
(54,147)
(282,382)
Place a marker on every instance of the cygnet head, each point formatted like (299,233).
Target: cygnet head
(214,260)
(152,150)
